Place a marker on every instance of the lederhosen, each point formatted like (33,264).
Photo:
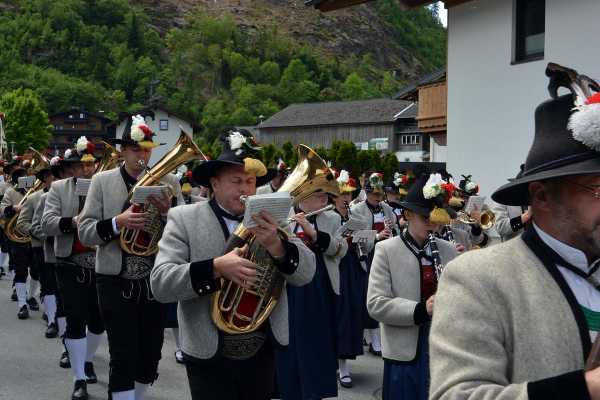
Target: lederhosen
(243,366)
(132,317)
(77,284)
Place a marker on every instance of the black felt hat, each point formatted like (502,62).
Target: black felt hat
(436,206)
(137,133)
(239,148)
(567,135)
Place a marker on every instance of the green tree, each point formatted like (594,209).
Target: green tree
(357,88)
(26,121)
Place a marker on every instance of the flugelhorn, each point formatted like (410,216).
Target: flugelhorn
(486,220)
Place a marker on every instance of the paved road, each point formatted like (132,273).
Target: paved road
(29,364)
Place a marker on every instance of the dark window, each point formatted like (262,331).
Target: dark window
(164,124)
(530,27)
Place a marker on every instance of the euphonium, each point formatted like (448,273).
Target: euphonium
(38,162)
(486,219)
(145,242)
(110,158)
(238,310)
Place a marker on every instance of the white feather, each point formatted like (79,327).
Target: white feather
(584,124)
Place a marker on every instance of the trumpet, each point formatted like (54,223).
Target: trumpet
(486,220)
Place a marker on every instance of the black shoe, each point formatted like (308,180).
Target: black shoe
(64,362)
(90,375)
(345,381)
(2,273)
(80,390)
(51,331)
(33,304)
(374,352)
(13,296)
(45,317)
(23,313)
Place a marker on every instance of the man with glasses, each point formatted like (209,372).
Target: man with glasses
(517,320)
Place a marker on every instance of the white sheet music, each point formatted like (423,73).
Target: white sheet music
(474,203)
(277,204)
(82,186)
(351,226)
(25,182)
(141,193)
(365,235)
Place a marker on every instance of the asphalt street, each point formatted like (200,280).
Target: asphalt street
(29,364)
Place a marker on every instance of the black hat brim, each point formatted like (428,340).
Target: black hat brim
(206,170)
(415,207)
(516,193)
(123,142)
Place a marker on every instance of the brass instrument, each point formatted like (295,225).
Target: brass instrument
(38,162)
(144,242)
(486,219)
(237,310)
(110,158)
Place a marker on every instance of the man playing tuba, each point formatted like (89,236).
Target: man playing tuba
(190,264)
(132,317)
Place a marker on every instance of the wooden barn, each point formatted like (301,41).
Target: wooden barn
(69,125)
(383,124)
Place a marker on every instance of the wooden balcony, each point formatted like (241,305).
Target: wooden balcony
(433,105)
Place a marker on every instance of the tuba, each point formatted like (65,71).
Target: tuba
(144,243)
(110,158)
(38,162)
(237,310)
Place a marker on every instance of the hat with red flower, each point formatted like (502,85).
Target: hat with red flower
(346,183)
(429,196)
(137,133)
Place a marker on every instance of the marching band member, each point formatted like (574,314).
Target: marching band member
(75,266)
(524,328)
(25,225)
(402,287)
(190,264)
(511,220)
(374,209)
(9,167)
(352,300)
(278,174)
(132,317)
(306,369)
(20,253)
(476,236)
(52,300)
(395,191)
(4,178)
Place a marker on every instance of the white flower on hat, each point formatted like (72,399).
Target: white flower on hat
(397,178)
(54,161)
(236,141)
(81,144)
(584,123)
(470,186)
(137,134)
(433,187)
(68,153)
(344,177)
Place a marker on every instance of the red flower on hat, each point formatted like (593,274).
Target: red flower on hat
(593,99)
(449,188)
(90,148)
(147,131)
(188,174)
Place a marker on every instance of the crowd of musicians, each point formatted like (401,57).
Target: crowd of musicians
(398,266)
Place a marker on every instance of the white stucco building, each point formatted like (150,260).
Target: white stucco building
(165,124)
(497,54)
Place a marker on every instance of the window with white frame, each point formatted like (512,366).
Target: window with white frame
(164,125)
(410,139)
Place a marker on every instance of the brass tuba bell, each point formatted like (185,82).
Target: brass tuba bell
(111,157)
(145,242)
(237,310)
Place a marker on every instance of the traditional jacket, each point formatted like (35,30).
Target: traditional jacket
(331,243)
(394,295)
(363,212)
(507,326)
(508,220)
(37,231)
(183,272)
(105,200)
(11,198)
(25,218)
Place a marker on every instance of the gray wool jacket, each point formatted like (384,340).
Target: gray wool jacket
(25,218)
(193,234)
(62,204)
(394,292)
(11,198)
(504,215)
(361,211)
(106,197)
(38,232)
(330,222)
(501,326)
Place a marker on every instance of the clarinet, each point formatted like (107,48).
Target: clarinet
(435,254)
(450,234)
(360,250)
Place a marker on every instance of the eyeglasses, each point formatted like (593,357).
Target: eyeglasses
(593,189)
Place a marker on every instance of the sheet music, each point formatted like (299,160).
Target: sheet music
(364,236)
(351,226)
(474,203)
(26,182)
(82,186)
(141,193)
(277,204)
